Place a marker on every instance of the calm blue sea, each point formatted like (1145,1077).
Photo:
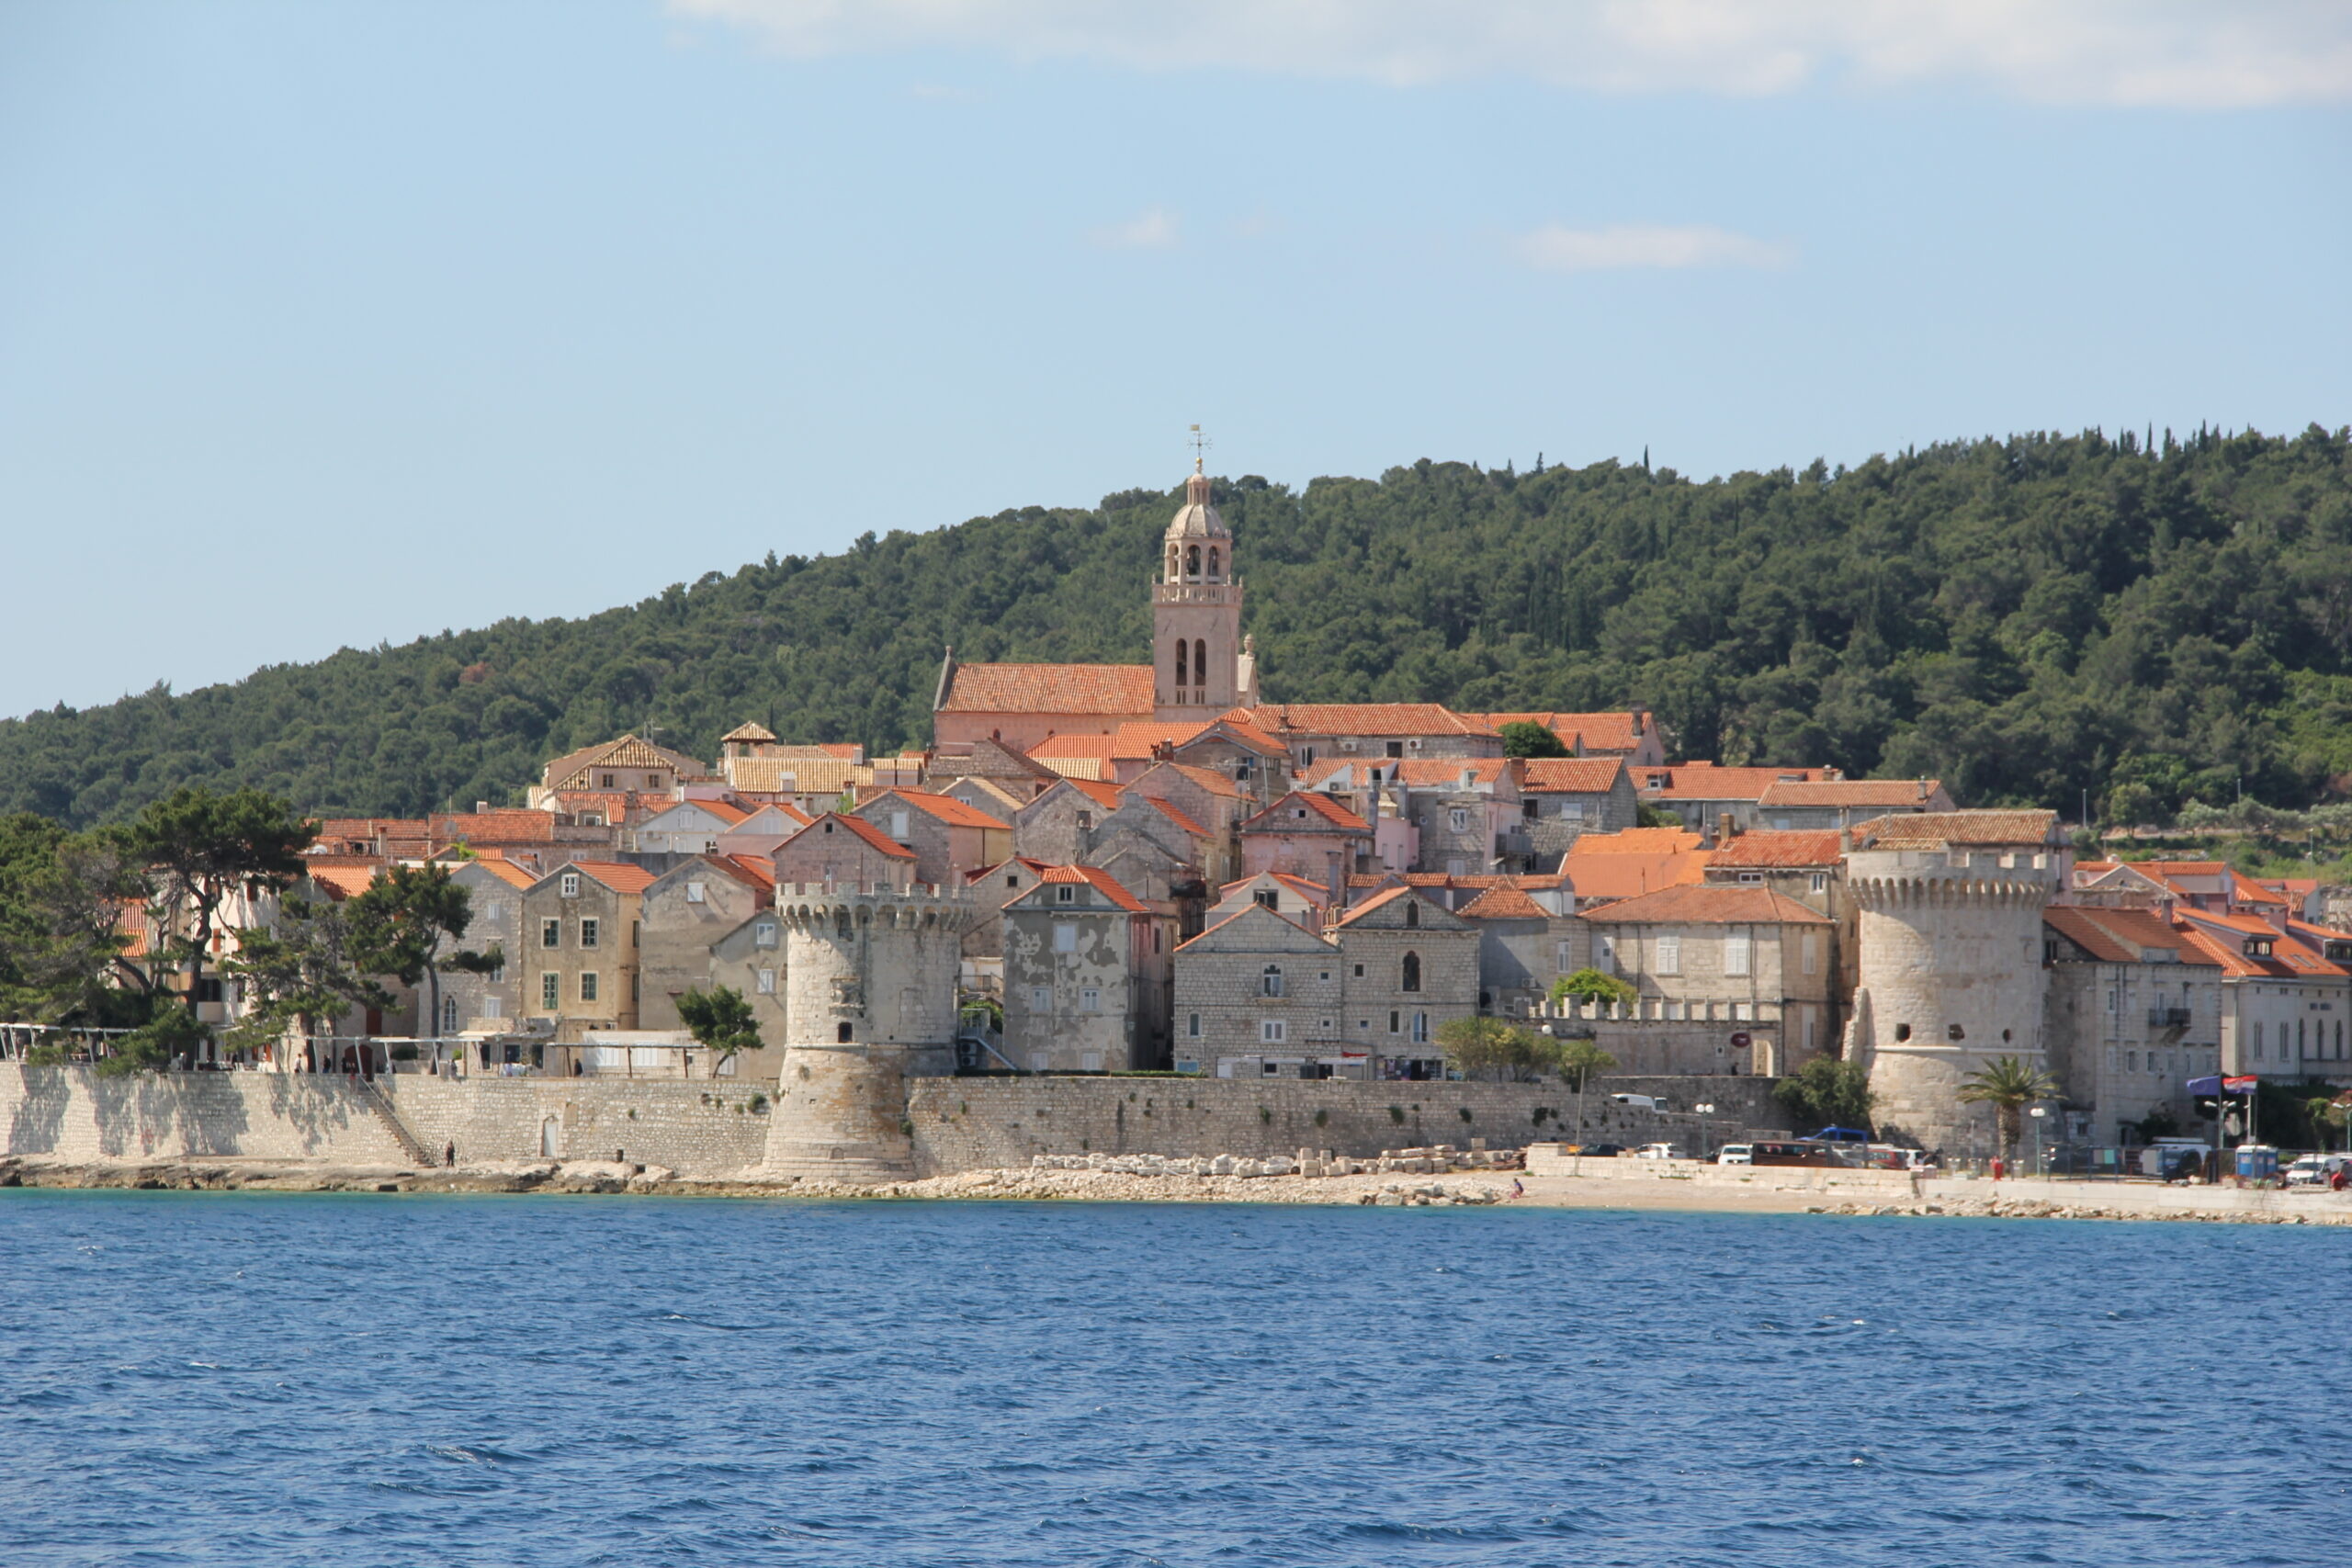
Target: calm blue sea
(252,1380)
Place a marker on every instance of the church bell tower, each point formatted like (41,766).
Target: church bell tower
(1200,664)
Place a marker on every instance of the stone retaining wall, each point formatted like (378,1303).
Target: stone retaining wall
(993,1124)
(71,1113)
(703,1128)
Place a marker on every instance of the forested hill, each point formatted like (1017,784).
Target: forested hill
(2024,619)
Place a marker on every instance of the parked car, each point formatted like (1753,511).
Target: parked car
(1640,1102)
(1599,1151)
(1735,1154)
(2313,1170)
(1660,1151)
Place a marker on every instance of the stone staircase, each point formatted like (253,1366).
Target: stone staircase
(375,1100)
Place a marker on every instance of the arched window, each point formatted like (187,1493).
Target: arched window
(1412,976)
(1175,564)
(1213,560)
(1200,661)
(1272,980)
(840,1031)
(1184,663)
(1192,561)
(1412,913)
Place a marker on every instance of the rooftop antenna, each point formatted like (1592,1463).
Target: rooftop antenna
(1200,444)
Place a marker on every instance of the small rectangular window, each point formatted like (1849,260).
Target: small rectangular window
(1669,955)
(589,931)
(1065,895)
(1192,1026)
(1738,955)
(1458,819)
(587,985)
(550,933)
(1065,937)
(764,934)
(550,990)
(1393,1020)
(1041,998)
(1821,882)
(767,982)
(1809,955)
(570,886)
(1273,1031)
(1090,999)
(694,892)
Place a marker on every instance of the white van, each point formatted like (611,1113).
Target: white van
(2313,1170)
(1640,1102)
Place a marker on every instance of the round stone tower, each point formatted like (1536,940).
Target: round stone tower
(869,1001)
(1951,963)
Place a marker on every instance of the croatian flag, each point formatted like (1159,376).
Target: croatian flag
(2241,1086)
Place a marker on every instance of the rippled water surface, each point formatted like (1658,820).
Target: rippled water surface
(258,1380)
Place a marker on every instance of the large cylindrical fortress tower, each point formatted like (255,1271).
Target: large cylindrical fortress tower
(1951,964)
(869,1002)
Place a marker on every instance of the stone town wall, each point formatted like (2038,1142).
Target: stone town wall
(988,1123)
(703,1128)
(70,1113)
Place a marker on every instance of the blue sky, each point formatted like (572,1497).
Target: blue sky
(326,325)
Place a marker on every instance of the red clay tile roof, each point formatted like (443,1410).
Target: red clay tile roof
(1359,719)
(1857,792)
(1704,781)
(1629,877)
(1572,775)
(759,873)
(1636,841)
(1321,809)
(753,730)
(1106,689)
(617,876)
(1980,828)
(2248,891)
(1709,904)
(341,882)
(1061,746)
(1096,878)
(1503,904)
(2117,936)
(505,869)
(865,831)
(627,752)
(513,827)
(1768,848)
(947,809)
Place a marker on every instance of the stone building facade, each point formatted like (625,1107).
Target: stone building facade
(1748,970)
(949,838)
(1563,798)
(712,922)
(1410,964)
(1258,994)
(2131,1013)
(1086,975)
(581,931)
(489,1003)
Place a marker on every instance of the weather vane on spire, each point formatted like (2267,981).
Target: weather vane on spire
(1199,445)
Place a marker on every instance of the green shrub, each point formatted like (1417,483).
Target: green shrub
(1323,1119)
(1396,1115)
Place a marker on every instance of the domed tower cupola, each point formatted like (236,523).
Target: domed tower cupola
(1199,548)
(1196,613)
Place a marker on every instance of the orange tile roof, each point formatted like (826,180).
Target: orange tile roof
(759,873)
(2248,891)
(1629,877)
(1929,828)
(1503,904)
(1704,781)
(1773,847)
(1103,794)
(501,827)
(1636,841)
(1572,775)
(867,833)
(1359,719)
(1106,689)
(947,809)
(505,869)
(341,882)
(618,876)
(1712,903)
(1096,878)
(2118,936)
(1326,813)
(1852,792)
(1057,748)
(628,752)
(753,730)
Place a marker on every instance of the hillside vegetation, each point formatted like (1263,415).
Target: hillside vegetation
(2026,619)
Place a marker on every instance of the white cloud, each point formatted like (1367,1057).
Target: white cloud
(1557,248)
(2176,53)
(1153,229)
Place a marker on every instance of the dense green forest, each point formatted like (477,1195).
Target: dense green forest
(2152,621)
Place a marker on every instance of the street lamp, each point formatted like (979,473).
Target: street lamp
(2038,1113)
(1706,1132)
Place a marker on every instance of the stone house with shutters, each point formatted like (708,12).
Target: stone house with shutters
(1057,828)
(1308,905)
(950,839)
(983,960)
(1808,866)
(1086,975)
(491,1003)
(1711,961)
(1523,949)
(1470,813)
(578,966)
(844,850)
(1408,964)
(688,827)
(711,922)
(1563,798)
(626,765)
(1260,996)
(2132,1012)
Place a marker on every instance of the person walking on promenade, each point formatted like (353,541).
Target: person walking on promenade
(449,1153)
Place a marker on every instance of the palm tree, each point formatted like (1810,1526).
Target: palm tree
(2008,1085)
